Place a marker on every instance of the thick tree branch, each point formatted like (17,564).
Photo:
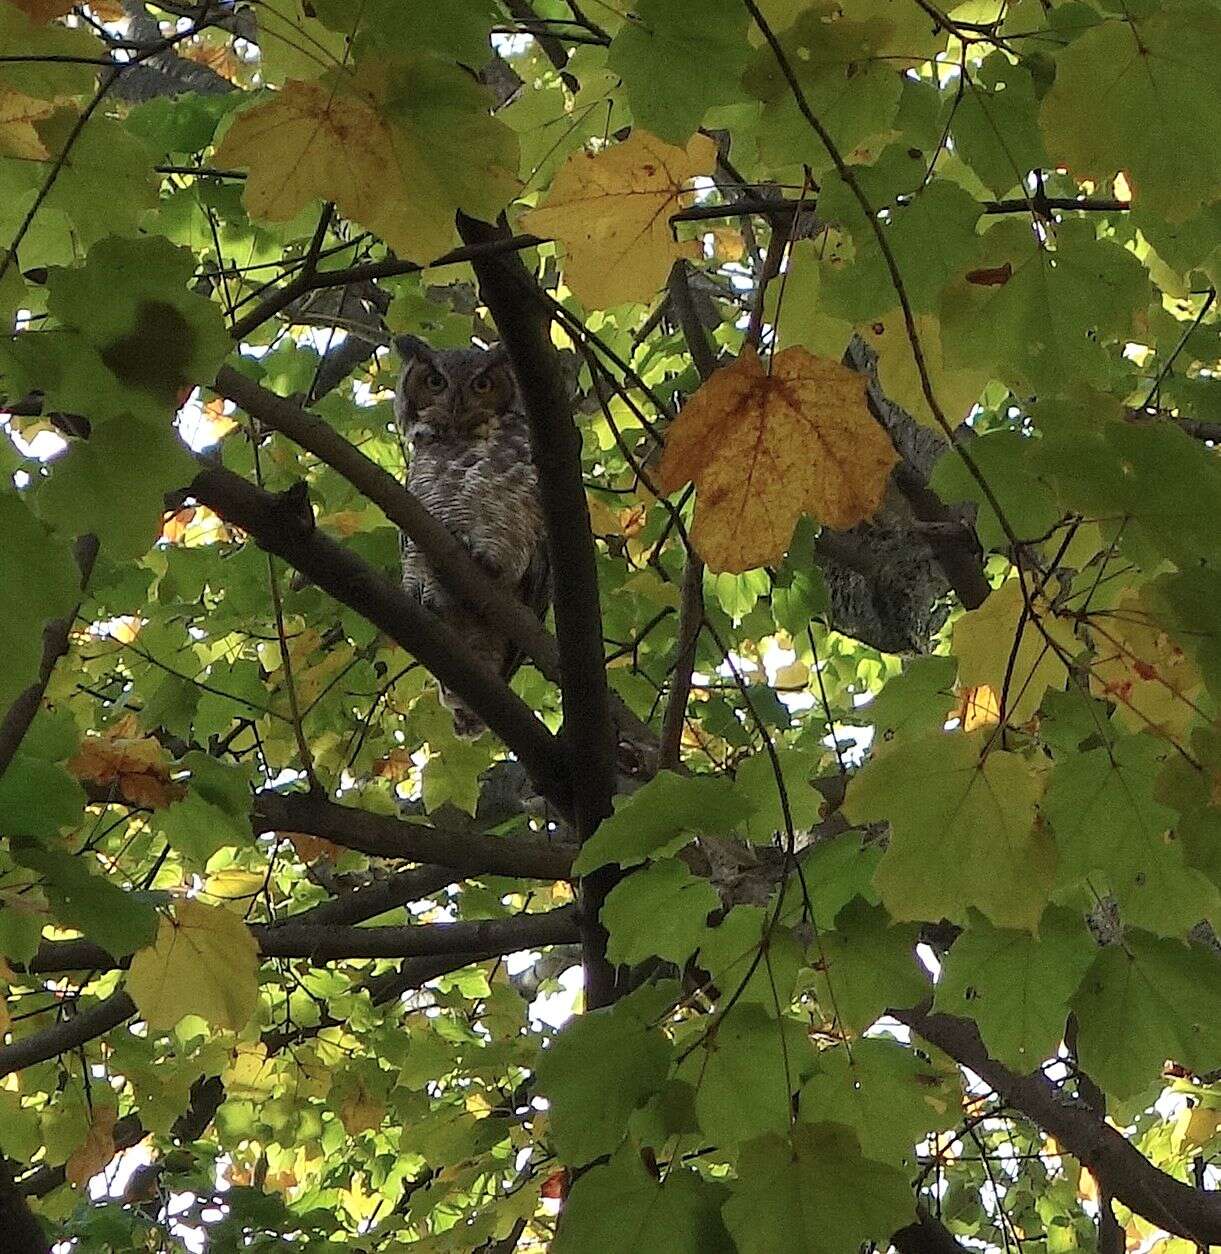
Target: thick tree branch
(69,1033)
(1115,1163)
(284,525)
(524,323)
(21,713)
(323,942)
(383,836)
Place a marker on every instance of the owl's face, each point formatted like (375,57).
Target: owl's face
(451,391)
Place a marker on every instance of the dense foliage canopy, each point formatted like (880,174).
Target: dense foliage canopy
(843,869)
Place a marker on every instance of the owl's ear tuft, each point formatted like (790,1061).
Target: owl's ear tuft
(410,347)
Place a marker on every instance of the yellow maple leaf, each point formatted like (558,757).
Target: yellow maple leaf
(387,149)
(764,447)
(95,1154)
(18,113)
(611,211)
(204,962)
(1141,668)
(1001,648)
(136,766)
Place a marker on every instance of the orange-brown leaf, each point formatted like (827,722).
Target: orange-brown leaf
(136,766)
(97,1151)
(764,447)
(40,12)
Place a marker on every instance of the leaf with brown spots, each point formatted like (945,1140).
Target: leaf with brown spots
(611,211)
(764,447)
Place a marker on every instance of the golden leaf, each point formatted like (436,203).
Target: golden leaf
(387,149)
(205,962)
(18,113)
(1139,666)
(395,766)
(137,766)
(611,211)
(1000,647)
(766,446)
(97,1151)
(979,707)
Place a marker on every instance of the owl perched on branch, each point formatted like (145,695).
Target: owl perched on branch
(471,464)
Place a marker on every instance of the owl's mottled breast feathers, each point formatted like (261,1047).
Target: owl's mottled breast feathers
(471,465)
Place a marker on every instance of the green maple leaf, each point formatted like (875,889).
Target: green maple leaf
(915,702)
(1003,458)
(706,38)
(157,335)
(854,96)
(963,831)
(1015,986)
(864,965)
(661,817)
(106,165)
(1101,465)
(886,1093)
(1144,1002)
(932,236)
(802,1194)
(41,582)
(755,785)
(660,910)
(595,1073)
(38,798)
(1112,831)
(995,125)
(114,484)
(46,79)
(121,922)
(747,1051)
(1042,326)
(1155,118)
(620,1208)
(728,951)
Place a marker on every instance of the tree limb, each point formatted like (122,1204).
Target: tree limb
(383,836)
(71,1032)
(1115,1163)
(284,524)
(524,323)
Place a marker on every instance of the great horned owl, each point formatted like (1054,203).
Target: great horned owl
(471,465)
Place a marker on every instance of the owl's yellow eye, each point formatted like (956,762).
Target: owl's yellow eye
(436,381)
(481,385)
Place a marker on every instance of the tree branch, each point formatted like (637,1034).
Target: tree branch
(69,1033)
(1116,1164)
(524,323)
(54,645)
(284,525)
(22,1232)
(383,836)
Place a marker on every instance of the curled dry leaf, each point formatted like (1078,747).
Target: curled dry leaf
(611,211)
(137,766)
(764,447)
